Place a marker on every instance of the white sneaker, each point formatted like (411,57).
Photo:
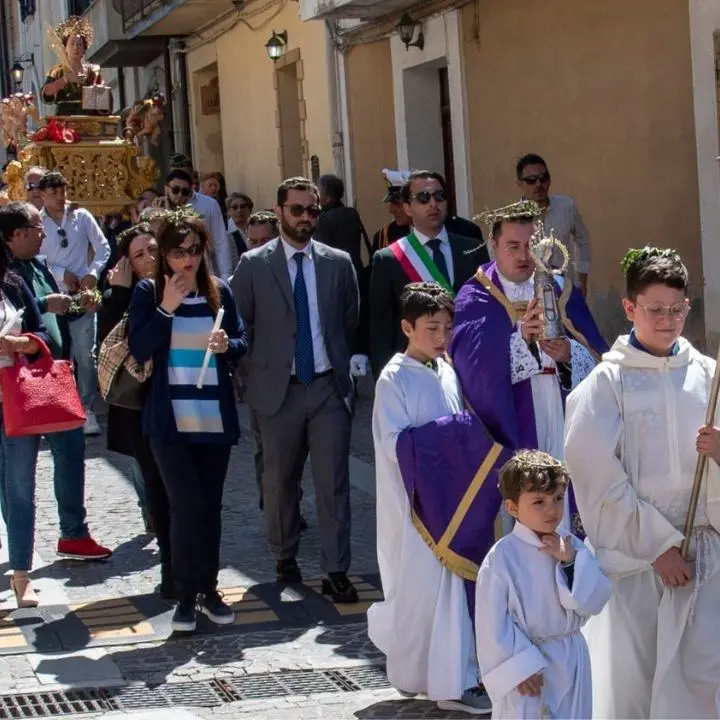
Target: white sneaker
(92,426)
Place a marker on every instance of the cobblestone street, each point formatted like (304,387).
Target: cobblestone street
(100,636)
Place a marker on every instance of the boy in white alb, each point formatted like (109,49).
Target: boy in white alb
(423,626)
(634,429)
(535,590)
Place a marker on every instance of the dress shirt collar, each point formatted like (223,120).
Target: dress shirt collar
(290,250)
(44,214)
(425,239)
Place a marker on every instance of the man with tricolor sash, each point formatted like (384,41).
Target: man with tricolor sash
(429,253)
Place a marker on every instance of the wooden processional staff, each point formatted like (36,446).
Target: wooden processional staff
(701,462)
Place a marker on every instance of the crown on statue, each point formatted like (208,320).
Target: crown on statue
(75,25)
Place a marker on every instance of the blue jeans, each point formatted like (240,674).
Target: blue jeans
(82,334)
(18,462)
(138,482)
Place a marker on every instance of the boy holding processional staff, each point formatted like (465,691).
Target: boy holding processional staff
(634,429)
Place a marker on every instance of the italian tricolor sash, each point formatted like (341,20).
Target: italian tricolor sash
(417,263)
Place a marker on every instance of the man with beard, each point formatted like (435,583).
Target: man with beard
(299,300)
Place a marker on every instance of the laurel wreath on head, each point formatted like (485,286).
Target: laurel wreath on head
(635,256)
(522,210)
(177,217)
(534,464)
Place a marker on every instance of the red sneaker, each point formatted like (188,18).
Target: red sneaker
(82,549)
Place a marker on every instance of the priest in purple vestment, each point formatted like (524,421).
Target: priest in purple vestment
(515,382)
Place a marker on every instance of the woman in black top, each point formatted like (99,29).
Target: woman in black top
(137,248)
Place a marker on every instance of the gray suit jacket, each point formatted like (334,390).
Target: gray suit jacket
(264,297)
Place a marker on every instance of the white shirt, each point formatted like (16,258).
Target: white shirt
(322,362)
(445,249)
(563,218)
(81,229)
(210,211)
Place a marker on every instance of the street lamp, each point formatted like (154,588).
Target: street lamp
(17,70)
(276,45)
(406,31)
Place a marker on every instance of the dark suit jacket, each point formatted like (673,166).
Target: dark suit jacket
(264,296)
(388,280)
(340,227)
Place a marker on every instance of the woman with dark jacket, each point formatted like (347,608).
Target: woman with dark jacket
(137,248)
(189,414)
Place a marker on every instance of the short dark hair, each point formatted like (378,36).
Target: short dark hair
(13,216)
(531,471)
(332,186)
(295,183)
(654,266)
(52,180)
(179,174)
(239,196)
(264,217)
(497,227)
(424,298)
(529,159)
(420,175)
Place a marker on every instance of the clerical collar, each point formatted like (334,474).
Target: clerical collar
(674,350)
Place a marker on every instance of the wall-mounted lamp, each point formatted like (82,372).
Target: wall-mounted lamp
(17,70)
(406,31)
(276,45)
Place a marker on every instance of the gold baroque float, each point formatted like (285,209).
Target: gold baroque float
(105,174)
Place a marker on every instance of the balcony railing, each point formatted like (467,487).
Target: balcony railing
(135,11)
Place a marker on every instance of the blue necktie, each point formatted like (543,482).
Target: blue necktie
(439,258)
(304,356)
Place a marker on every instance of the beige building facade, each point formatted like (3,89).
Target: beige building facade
(620,98)
(267,119)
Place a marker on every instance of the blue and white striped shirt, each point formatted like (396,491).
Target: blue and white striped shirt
(196,411)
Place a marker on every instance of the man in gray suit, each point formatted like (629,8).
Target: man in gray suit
(299,300)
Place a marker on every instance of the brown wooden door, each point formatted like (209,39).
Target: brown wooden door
(446,122)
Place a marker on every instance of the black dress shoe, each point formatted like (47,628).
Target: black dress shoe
(303,524)
(288,571)
(339,588)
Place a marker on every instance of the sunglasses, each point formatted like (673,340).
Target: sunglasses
(63,237)
(535,179)
(180,253)
(177,190)
(34,227)
(424,197)
(313,211)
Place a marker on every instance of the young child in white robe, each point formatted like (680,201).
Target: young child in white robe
(535,590)
(423,625)
(634,429)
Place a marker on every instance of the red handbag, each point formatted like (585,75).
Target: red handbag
(40,397)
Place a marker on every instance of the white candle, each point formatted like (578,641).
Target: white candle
(208,352)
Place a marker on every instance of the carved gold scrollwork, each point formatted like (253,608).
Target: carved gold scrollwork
(105,177)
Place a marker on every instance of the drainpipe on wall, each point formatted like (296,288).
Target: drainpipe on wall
(175,58)
(5,55)
(338,112)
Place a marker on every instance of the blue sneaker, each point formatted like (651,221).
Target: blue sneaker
(212,605)
(474,701)
(184,619)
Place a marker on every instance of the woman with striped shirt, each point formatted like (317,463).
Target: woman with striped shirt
(190,429)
